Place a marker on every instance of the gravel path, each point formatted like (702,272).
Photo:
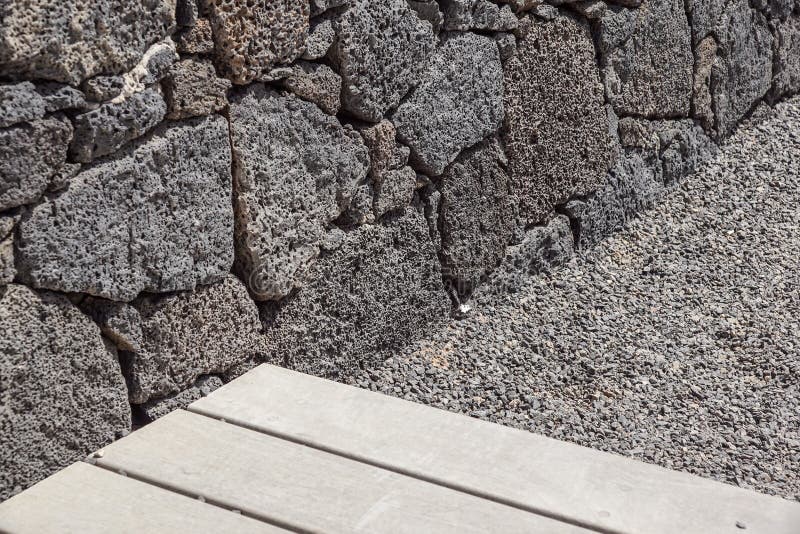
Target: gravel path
(676,342)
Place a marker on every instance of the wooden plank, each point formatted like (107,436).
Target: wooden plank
(300,487)
(562,480)
(84,499)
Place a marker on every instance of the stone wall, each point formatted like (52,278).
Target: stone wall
(189,190)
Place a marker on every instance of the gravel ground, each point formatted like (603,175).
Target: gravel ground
(676,342)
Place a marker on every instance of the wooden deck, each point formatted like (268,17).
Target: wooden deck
(279,451)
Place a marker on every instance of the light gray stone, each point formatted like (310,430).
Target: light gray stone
(320,6)
(251,38)
(385,153)
(476,215)
(288,187)
(181,400)
(72,40)
(428,10)
(119,321)
(104,130)
(30,154)
(19,102)
(189,334)
(7,269)
(556,131)
(458,103)
(156,216)
(463,15)
(320,38)
(380,52)
(61,389)
(394,191)
(59,97)
(647,59)
(193,88)
(317,83)
(102,88)
(380,289)
(741,65)
(787,58)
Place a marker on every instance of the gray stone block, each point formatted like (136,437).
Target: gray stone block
(787,58)
(251,38)
(104,130)
(72,40)
(463,15)
(189,334)
(394,191)
(476,215)
(647,59)
(19,102)
(288,187)
(196,40)
(738,62)
(428,10)
(381,288)
(320,38)
(63,394)
(204,386)
(103,88)
(7,269)
(59,97)
(30,154)
(556,130)
(316,83)
(192,88)
(320,6)
(154,217)
(541,249)
(380,52)
(458,103)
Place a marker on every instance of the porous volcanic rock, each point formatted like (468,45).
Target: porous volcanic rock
(296,170)
(787,58)
(556,128)
(380,288)
(250,38)
(476,215)
(458,103)
(380,52)
(61,388)
(193,88)
(465,15)
(156,216)
(317,83)
(19,102)
(72,40)
(189,334)
(647,59)
(30,154)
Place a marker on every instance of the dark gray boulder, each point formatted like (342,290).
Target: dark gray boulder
(19,102)
(156,216)
(61,389)
(787,58)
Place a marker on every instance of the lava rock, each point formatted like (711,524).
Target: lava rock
(787,58)
(59,97)
(30,155)
(647,60)
(458,103)
(380,52)
(320,38)
(476,214)
(204,386)
(250,39)
(288,187)
(193,88)
(7,269)
(104,130)
(103,88)
(196,40)
(381,288)
(556,131)
(463,15)
(72,40)
(63,394)
(316,83)
(394,191)
(189,334)
(156,217)
(19,102)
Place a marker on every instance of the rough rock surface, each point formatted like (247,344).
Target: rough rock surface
(787,58)
(204,386)
(103,130)
(674,342)
(61,389)
(288,187)
(196,40)
(192,88)
(741,65)
(380,51)
(556,128)
(316,83)
(189,334)
(465,15)
(541,249)
(320,38)
(19,102)
(59,97)
(7,269)
(156,216)
(647,59)
(458,103)
(71,40)
(394,191)
(476,215)
(253,37)
(380,288)
(30,154)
